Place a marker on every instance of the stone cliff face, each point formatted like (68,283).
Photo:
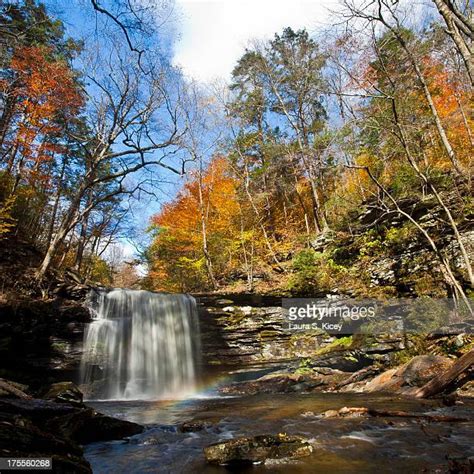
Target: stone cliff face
(249,329)
(41,341)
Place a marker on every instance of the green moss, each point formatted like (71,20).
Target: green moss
(233,319)
(416,345)
(396,238)
(456,346)
(267,334)
(338,345)
(304,367)
(59,346)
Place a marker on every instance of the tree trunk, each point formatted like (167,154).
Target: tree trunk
(56,203)
(68,222)
(444,380)
(434,111)
(455,28)
(204,211)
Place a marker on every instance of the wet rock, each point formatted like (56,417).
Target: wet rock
(80,425)
(286,382)
(88,426)
(415,373)
(458,465)
(39,411)
(346,412)
(257,449)
(63,392)
(193,426)
(451,400)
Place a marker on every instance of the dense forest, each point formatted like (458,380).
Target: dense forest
(346,136)
(270,271)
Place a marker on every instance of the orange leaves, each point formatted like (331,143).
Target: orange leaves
(47,97)
(453,104)
(183,215)
(206,207)
(45,86)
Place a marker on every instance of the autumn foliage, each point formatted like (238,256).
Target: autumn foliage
(45,97)
(282,187)
(178,260)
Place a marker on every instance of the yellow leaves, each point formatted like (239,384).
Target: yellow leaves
(356,183)
(7,222)
(206,208)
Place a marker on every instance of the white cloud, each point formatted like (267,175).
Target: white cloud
(214,33)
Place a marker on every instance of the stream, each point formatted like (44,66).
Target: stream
(341,445)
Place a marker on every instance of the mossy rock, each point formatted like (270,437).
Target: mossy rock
(339,344)
(248,451)
(63,392)
(268,334)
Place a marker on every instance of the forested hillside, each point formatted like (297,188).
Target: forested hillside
(78,118)
(334,161)
(339,153)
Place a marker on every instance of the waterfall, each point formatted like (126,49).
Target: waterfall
(140,345)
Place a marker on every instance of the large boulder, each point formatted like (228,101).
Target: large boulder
(407,378)
(78,425)
(257,449)
(63,392)
(312,380)
(88,426)
(20,437)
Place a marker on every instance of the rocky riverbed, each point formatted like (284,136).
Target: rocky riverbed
(290,433)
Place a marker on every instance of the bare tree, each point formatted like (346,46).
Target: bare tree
(135,20)
(395,125)
(460,27)
(385,13)
(134,125)
(200,141)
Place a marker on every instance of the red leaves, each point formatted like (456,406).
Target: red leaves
(46,97)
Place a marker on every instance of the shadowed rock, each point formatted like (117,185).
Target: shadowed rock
(63,392)
(88,426)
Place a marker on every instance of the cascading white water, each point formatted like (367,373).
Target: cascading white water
(141,345)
